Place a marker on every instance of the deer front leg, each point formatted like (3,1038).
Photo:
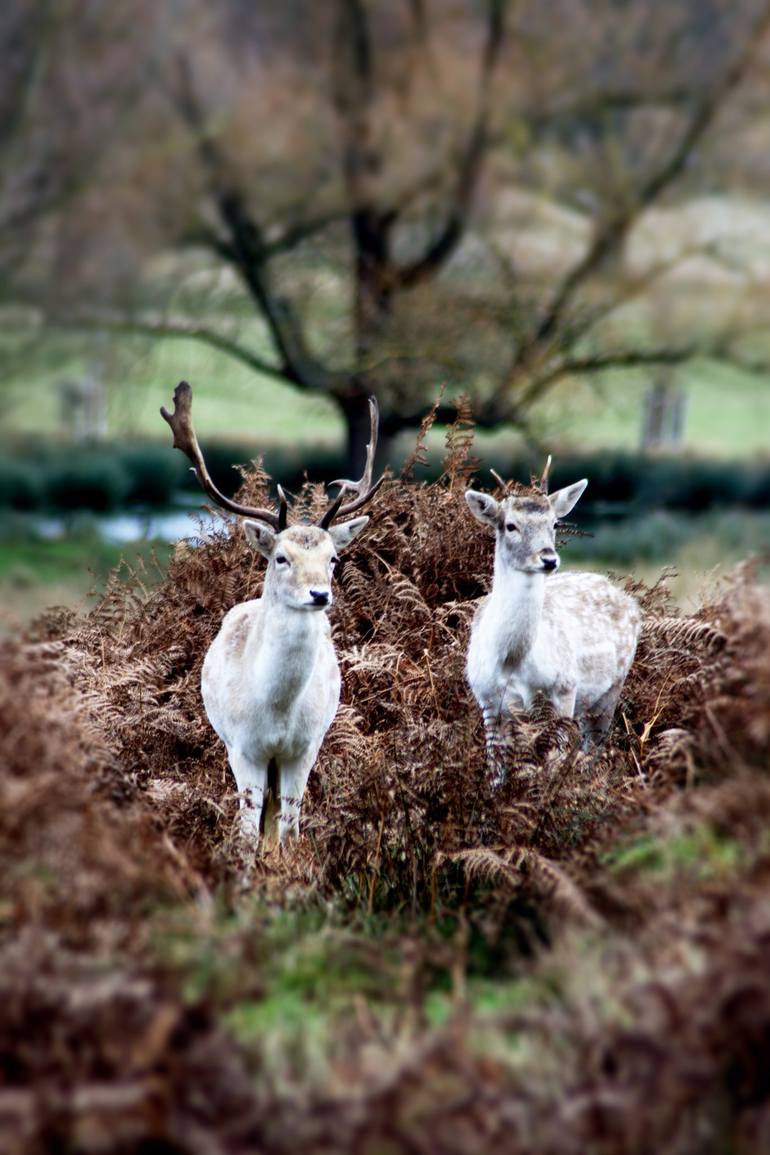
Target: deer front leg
(294,776)
(251,780)
(493,734)
(503,698)
(563,700)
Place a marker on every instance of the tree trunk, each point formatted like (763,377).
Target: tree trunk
(373,303)
(664,416)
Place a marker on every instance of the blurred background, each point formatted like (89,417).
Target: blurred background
(559,211)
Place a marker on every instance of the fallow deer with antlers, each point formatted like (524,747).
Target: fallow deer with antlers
(270,680)
(571,637)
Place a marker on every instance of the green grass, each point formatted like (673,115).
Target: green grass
(232,402)
(69,571)
(701,540)
(701,854)
(283,979)
(290,982)
(728,411)
(82,554)
(699,549)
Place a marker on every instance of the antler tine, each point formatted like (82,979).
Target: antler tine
(363,488)
(503,484)
(283,509)
(184,438)
(546,471)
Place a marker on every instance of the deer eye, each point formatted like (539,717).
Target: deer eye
(509,525)
(281,560)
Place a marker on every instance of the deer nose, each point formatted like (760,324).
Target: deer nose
(320,597)
(549,560)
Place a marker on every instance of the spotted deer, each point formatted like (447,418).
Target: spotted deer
(270,680)
(571,637)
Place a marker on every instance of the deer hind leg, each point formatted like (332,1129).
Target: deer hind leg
(596,721)
(294,776)
(251,780)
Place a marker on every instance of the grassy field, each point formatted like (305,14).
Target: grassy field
(70,571)
(230,399)
(728,412)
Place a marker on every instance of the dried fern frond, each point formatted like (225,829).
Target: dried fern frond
(459,465)
(404,776)
(419,455)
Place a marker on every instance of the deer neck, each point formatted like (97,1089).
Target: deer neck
(282,656)
(515,609)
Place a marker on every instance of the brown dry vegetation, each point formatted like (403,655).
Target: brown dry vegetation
(623,895)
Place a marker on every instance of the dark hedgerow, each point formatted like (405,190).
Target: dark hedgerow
(21,487)
(44,475)
(98,482)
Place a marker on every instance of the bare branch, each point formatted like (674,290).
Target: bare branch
(353,93)
(595,104)
(161,325)
(634,288)
(624,359)
(249,258)
(614,231)
(302,231)
(635,358)
(419,20)
(469,168)
(246,247)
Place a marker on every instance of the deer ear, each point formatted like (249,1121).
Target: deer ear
(259,536)
(346,531)
(566,499)
(483,507)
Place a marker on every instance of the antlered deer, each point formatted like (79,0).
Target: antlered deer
(270,680)
(571,637)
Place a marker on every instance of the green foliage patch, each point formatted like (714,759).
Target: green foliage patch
(700,853)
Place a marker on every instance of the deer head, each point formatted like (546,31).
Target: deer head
(300,557)
(525,524)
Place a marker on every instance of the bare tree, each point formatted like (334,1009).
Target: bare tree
(370,145)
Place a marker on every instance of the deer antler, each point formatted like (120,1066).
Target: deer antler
(543,483)
(363,488)
(184,438)
(546,471)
